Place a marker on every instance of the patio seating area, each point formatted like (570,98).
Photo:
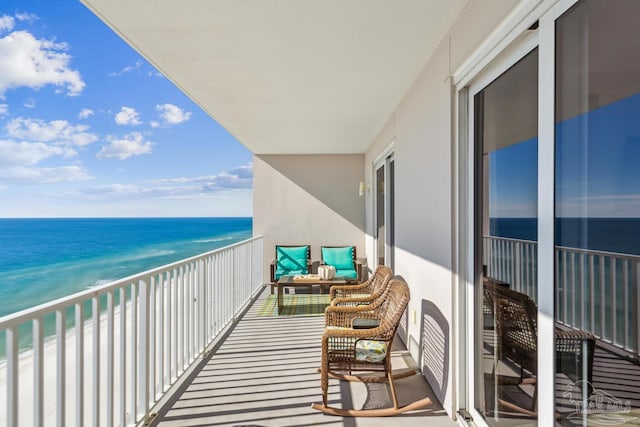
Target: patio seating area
(265,373)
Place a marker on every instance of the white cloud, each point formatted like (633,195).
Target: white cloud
(172,114)
(24,16)
(4,109)
(111,189)
(25,153)
(238,178)
(127,69)
(36,175)
(7,23)
(122,191)
(85,113)
(29,103)
(29,62)
(154,124)
(128,116)
(59,132)
(18,162)
(173,188)
(129,145)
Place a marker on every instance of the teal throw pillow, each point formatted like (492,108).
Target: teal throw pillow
(340,258)
(291,258)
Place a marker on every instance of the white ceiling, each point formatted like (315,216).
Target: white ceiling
(288,76)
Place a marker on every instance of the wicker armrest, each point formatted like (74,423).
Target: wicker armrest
(350,302)
(343,291)
(343,316)
(373,333)
(571,340)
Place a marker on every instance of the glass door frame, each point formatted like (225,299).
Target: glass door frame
(511,43)
(506,60)
(384,160)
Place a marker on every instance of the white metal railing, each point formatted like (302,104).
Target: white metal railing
(513,261)
(116,349)
(596,291)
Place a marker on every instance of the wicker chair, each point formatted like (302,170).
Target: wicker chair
(346,348)
(363,293)
(515,316)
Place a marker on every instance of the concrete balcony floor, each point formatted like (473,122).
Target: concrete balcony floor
(265,374)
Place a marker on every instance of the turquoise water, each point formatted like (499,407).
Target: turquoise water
(45,259)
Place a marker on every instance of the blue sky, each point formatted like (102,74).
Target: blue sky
(89,128)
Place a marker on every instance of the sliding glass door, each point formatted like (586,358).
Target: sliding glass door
(504,312)
(553,275)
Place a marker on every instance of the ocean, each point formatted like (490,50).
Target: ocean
(45,259)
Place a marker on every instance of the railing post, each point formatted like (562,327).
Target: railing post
(38,371)
(133,347)
(96,361)
(518,278)
(202,303)
(143,351)
(12,375)
(60,367)
(110,358)
(79,365)
(152,298)
(636,288)
(162,307)
(123,357)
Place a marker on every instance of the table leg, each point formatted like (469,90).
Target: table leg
(280,290)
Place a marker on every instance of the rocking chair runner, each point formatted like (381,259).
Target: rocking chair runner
(364,293)
(346,349)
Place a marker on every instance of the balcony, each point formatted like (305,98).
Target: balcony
(182,344)
(211,356)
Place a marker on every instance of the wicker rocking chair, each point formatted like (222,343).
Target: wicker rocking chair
(516,323)
(364,293)
(346,348)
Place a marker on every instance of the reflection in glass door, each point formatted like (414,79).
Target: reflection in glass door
(505,313)
(597,214)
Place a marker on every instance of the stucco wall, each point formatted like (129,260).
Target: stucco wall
(308,199)
(421,129)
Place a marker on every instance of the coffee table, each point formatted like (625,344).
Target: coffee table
(307,281)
